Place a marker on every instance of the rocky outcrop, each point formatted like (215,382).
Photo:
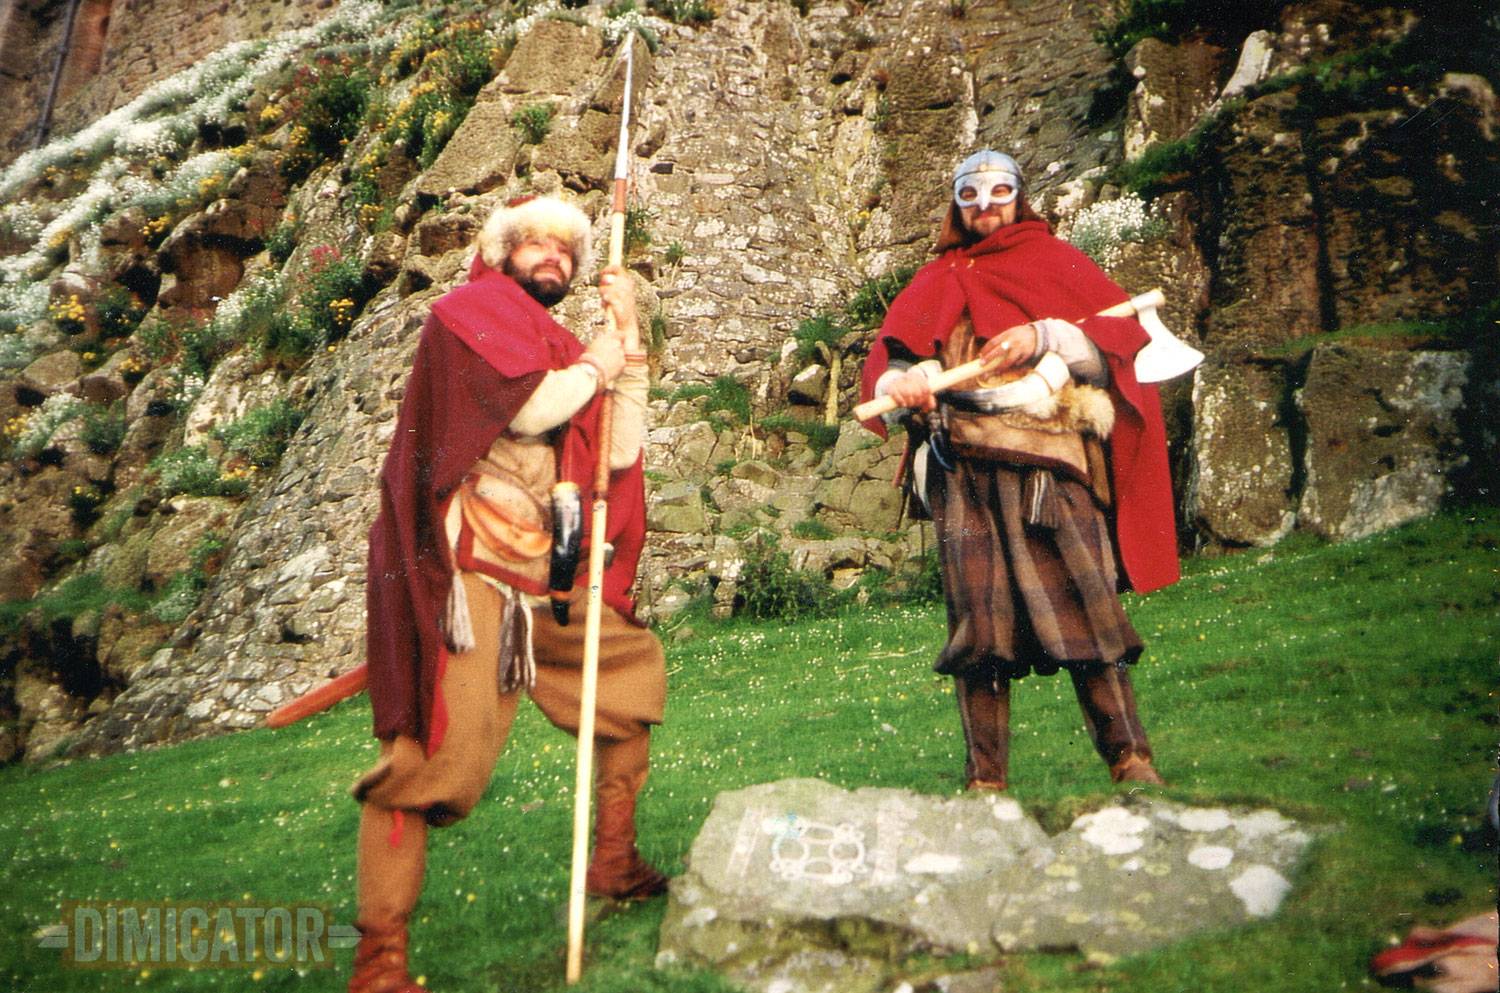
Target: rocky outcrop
(1243,481)
(780,162)
(1175,86)
(1382,437)
(286,610)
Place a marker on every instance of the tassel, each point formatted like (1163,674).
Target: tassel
(517,661)
(528,669)
(1039,500)
(459,626)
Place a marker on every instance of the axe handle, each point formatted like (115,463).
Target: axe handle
(318,700)
(949,378)
(945,380)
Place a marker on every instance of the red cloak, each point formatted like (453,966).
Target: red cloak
(484,349)
(1022,273)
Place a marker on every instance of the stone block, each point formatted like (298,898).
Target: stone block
(1267,287)
(50,373)
(439,234)
(1174,86)
(480,156)
(553,57)
(1382,435)
(677,507)
(810,386)
(1242,470)
(783,873)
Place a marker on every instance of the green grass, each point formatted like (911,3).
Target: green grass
(1351,686)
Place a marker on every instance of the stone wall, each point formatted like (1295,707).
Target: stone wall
(119,48)
(786,159)
(31,32)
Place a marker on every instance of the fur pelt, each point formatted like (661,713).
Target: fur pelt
(1075,407)
(536,217)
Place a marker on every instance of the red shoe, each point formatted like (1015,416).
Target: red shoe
(1459,959)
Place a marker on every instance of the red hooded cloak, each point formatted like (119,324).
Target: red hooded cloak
(1022,273)
(483,351)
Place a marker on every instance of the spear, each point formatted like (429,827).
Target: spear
(583,786)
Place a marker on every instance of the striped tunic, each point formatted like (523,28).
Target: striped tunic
(1021,597)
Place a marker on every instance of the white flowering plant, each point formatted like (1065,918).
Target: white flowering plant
(157,126)
(30,433)
(1100,229)
(522,26)
(622,18)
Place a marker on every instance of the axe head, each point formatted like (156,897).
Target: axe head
(1165,356)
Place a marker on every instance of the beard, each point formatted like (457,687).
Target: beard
(547,287)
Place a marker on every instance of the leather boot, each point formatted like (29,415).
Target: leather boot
(392,858)
(380,961)
(617,870)
(1109,712)
(1135,768)
(984,711)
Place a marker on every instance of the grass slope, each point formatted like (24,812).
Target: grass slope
(1350,685)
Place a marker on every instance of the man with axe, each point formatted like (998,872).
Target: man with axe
(1037,472)
(471,567)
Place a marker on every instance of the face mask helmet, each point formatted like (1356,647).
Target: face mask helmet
(986,177)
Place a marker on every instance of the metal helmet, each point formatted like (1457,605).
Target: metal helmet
(977,176)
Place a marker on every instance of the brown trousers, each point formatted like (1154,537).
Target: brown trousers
(1104,693)
(407,789)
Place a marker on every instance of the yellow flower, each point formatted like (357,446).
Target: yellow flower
(270,114)
(69,313)
(156,226)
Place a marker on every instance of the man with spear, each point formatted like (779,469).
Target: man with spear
(508,426)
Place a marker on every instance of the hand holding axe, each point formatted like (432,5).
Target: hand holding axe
(1164,357)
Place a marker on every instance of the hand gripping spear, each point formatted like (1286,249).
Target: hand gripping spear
(583,786)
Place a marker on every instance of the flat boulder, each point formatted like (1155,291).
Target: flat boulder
(799,886)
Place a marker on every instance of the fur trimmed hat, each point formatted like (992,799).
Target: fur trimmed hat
(534,217)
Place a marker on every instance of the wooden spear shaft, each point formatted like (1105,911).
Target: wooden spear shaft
(583,786)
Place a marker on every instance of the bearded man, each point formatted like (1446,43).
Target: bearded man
(1030,504)
(502,403)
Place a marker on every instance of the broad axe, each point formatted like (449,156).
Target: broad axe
(1164,357)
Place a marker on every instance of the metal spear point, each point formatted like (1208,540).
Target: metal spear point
(583,786)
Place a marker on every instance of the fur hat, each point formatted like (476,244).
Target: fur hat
(534,217)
